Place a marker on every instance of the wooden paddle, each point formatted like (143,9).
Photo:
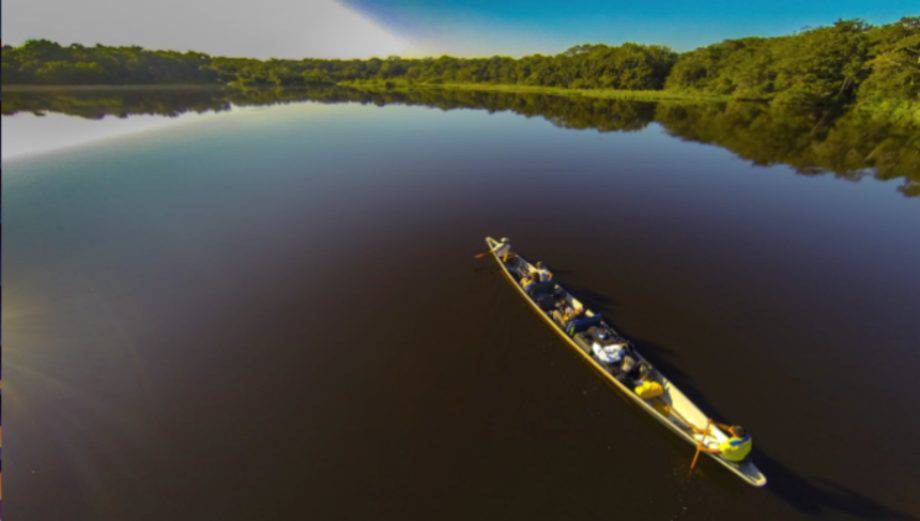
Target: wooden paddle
(679,416)
(699,444)
(699,448)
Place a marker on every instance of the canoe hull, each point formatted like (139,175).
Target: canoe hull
(747,472)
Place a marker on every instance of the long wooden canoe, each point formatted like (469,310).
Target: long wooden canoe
(672,408)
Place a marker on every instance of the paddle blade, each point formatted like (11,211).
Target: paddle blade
(480,255)
(696,456)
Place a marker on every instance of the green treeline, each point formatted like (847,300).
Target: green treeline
(628,66)
(823,67)
(43,62)
(810,69)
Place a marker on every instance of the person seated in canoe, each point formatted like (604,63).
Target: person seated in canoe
(503,250)
(530,274)
(572,311)
(558,303)
(737,448)
(529,280)
(632,371)
(567,309)
(643,372)
(540,271)
(627,365)
(559,308)
(645,384)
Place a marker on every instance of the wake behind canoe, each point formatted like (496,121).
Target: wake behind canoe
(615,358)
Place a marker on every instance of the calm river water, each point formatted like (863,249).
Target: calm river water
(273,312)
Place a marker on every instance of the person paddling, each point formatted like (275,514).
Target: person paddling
(503,249)
(736,448)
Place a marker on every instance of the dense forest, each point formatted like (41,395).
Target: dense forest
(629,66)
(849,62)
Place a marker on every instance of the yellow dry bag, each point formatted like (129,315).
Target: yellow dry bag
(649,389)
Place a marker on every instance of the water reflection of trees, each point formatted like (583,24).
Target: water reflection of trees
(850,145)
(96,104)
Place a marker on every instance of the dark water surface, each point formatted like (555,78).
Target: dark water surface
(274,313)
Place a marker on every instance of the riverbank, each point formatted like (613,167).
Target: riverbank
(627,95)
(402,86)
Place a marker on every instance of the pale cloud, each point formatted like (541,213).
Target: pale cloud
(266,28)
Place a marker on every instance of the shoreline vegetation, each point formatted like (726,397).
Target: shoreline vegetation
(613,94)
(827,69)
(403,86)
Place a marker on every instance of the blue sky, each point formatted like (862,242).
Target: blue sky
(363,28)
(521,27)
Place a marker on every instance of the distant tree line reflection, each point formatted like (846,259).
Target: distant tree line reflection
(851,145)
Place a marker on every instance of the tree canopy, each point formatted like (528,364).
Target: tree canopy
(816,68)
(823,68)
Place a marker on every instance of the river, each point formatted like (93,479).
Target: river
(228,309)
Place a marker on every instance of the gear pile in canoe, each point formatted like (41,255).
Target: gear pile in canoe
(616,359)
